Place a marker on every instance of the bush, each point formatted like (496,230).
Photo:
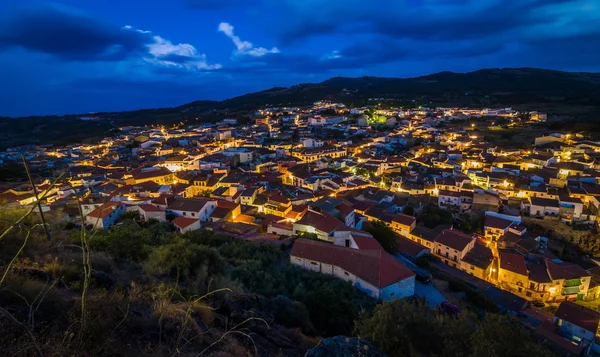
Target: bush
(457,285)
(182,260)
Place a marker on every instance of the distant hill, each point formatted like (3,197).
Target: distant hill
(443,86)
(567,95)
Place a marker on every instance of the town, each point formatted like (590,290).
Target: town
(484,200)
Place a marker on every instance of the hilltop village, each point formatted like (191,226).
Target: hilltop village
(489,197)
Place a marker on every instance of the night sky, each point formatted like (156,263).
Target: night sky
(78,56)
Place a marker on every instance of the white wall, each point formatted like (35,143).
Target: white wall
(399,290)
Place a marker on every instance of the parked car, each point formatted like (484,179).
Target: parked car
(538,303)
(423,277)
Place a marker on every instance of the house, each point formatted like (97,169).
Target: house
(569,280)
(512,272)
(196,208)
(148,212)
(248,195)
(403,224)
(484,201)
(478,261)
(449,199)
(423,236)
(277,205)
(543,207)
(160,175)
(373,271)
(336,207)
(496,225)
(320,223)
(186,224)
(410,249)
(106,215)
(355,239)
(452,246)
(578,323)
(571,208)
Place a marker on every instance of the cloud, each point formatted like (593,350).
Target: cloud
(73,35)
(184,55)
(67,33)
(244,47)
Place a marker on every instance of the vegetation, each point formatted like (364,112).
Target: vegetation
(150,291)
(433,217)
(402,328)
(384,235)
(141,289)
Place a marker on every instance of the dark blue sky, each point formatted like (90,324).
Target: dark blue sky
(77,56)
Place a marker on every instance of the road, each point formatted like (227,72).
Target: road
(429,292)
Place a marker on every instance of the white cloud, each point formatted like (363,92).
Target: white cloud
(162,52)
(244,47)
(332,55)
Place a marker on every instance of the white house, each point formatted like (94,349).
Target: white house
(580,324)
(449,199)
(320,223)
(371,270)
(196,208)
(185,224)
(543,207)
(148,212)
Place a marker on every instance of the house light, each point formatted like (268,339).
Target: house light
(552,290)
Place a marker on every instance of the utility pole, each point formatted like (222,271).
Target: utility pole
(37,198)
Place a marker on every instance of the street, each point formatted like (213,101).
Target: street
(429,292)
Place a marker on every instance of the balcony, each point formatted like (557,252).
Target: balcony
(572,290)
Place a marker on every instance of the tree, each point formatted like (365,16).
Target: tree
(403,328)
(385,236)
(409,210)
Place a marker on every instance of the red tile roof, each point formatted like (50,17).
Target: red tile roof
(373,266)
(149,208)
(565,270)
(578,315)
(454,239)
(513,262)
(404,219)
(104,210)
(497,222)
(183,222)
(321,221)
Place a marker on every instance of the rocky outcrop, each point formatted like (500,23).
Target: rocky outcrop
(342,346)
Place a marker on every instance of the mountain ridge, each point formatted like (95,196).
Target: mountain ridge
(565,95)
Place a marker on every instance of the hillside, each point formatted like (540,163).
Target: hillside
(566,95)
(141,289)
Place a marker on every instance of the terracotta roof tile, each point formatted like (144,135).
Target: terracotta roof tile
(374,266)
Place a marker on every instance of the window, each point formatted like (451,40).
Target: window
(193,214)
(313,263)
(184,214)
(392,294)
(472,267)
(347,243)
(346,273)
(528,294)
